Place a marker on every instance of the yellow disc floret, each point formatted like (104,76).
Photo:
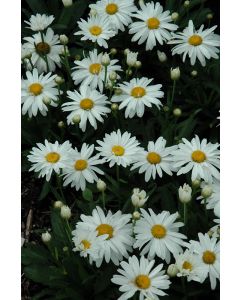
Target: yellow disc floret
(95,69)
(105,229)
(153,23)
(52,157)
(86,104)
(142,281)
(111,8)
(153,158)
(42,48)
(95,30)
(35,89)
(209,257)
(86,244)
(138,92)
(198,156)
(195,40)
(187,265)
(118,150)
(158,231)
(80,165)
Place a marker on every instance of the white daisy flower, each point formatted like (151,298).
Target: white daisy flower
(90,71)
(189,265)
(118,12)
(25,53)
(208,250)
(81,167)
(87,243)
(158,234)
(35,89)
(197,44)
(213,201)
(47,47)
(96,29)
(199,156)
(89,104)
(119,240)
(118,148)
(215,230)
(137,275)
(139,198)
(49,157)
(154,25)
(137,94)
(156,159)
(39,22)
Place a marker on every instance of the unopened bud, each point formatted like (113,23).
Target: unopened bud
(59,80)
(177,112)
(185,193)
(67,3)
(105,59)
(172,270)
(196,183)
(118,91)
(63,39)
(175,16)
(77,57)
(209,16)
(61,124)
(113,76)
(175,73)
(194,73)
(136,215)
(76,119)
(58,204)
(46,237)
(126,51)
(101,185)
(109,85)
(161,56)
(65,212)
(186,3)
(129,72)
(65,249)
(206,191)
(46,100)
(113,51)
(165,108)
(138,64)
(131,58)
(114,106)
(93,12)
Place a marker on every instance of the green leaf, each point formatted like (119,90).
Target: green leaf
(87,195)
(45,190)
(37,6)
(34,254)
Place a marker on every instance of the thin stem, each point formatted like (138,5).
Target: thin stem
(44,56)
(68,69)
(59,183)
(185,213)
(105,77)
(117,172)
(31,63)
(173,93)
(103,199)
(69,231)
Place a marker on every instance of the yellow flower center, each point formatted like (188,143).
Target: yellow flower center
(80,165)
(187,266)
(35,89)
(118,150)
(153,158)
(52,157)
(95,30)
(153,23)
(112,8)
(138,92)
(195,40)
(142,281)
(95,68)
(86,104)
(105,229)
(198,156)
(42,48)
(158,231)
(86,244)
(209,257)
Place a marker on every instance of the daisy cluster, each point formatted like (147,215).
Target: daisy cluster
(149,247)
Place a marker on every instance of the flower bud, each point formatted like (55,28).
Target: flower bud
(177,112)
(172,270)
(65,249)
(113,51)
(63,39)
(118,91)
(126,51)
(65,212)
(77,57)
(185,193)
(186,3)
(165,108)
(101,185)
(93,12)
(196,183)
(175,73)
(209,16)
(136,215)
(109,85)
(206,191)
(46,100)
(113,76)
(46,237)
(194,73)
(114,106)
(161,56)
(131,58)
(138,198)
(59,80)
(25,53)
(138,64)
(175,16)
(61,124)
(76,119)
(67,3)
(57,204)
(129,72)
(105,59)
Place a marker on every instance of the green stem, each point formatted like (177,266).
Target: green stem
(69,232)
(31,63)
(105,77)
(173,93)
(68,69)
(59,183)
(44,56)
(117,172)
(185,213)
(103,199)
(184,288)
